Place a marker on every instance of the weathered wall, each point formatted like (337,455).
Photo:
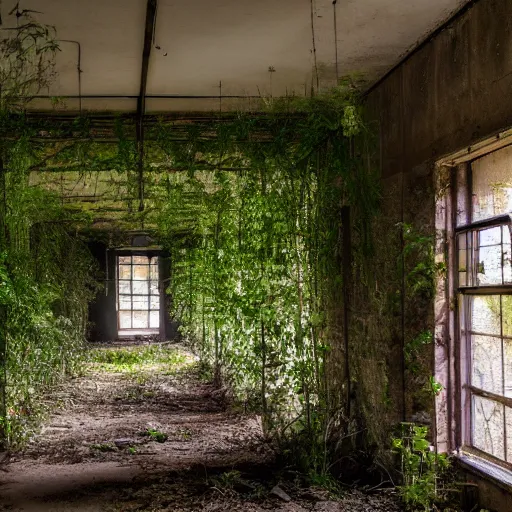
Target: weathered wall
(450,93)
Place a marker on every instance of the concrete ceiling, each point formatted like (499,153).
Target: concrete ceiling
(212,48)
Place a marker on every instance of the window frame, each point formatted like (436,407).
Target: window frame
(149,295)
(463,391)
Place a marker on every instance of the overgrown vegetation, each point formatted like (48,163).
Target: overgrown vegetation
(47,276)
(138,359)
(271,222)
(422,469)
(258,259)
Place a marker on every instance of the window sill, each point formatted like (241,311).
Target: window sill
(486,469)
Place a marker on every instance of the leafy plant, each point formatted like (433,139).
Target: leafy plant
(421,467)
(418,250)
(413,348)
(156,435)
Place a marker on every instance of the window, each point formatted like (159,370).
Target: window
(138,296)
(483,284)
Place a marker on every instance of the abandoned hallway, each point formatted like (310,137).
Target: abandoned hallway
(256,255)
(141,430)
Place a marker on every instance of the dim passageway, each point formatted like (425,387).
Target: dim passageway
(255,255)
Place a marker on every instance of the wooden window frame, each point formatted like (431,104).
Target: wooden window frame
(452,353)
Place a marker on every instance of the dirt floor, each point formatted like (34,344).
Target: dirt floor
(151,435)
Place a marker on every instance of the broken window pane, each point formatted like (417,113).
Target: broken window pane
(488,428)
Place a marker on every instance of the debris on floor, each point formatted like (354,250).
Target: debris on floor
(146,435)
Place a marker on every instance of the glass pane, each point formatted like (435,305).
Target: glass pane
(140,303)
(125,287)
(155,302)
(506,305)
(125,272)
(154,288)
(463,207)
(490,236)
(487,428)
(141,260)
(508,419)
(489,265)
(507,255)
(125,259)
(140,320)
(507,349)
(154,319)
(492,184)
(125,319)
(140,272)
(125,302)
(154,272)
(487,372)
(489,269)
(485,314)
(140,287)
(463,253)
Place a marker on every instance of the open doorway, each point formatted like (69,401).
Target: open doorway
(138,295)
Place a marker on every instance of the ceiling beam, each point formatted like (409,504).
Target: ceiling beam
(141,100)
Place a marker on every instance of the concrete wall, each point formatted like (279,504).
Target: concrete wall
(453,91)
(450,93)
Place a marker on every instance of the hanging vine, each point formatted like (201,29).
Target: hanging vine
(249,207)
(46,271)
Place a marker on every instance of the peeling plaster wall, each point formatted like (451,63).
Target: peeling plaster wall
(452,92)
